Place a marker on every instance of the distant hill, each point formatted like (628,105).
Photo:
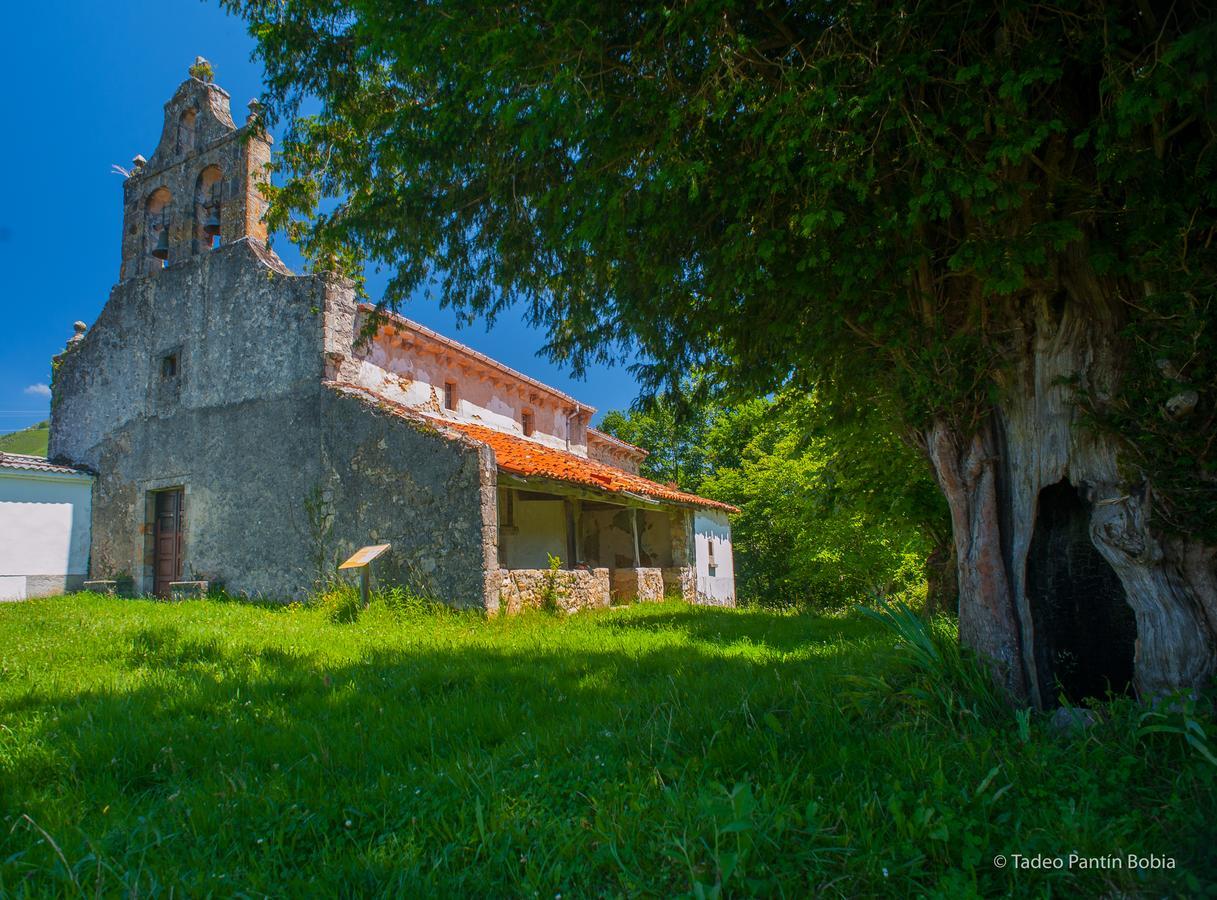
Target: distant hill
(32,440)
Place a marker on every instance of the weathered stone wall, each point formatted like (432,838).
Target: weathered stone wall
(238,426)
(392,480)
(680,581)
(643,585)
(575,589)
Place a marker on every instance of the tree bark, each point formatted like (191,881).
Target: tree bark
(992,479)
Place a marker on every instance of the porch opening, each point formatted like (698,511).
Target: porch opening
(607,552)
(1085,631)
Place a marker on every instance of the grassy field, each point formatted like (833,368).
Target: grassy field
(215,748)
(31,441)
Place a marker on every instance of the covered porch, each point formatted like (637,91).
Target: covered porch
(609,548)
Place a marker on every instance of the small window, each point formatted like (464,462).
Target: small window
(526,419)
(169,366)
(710,563)
(450,395)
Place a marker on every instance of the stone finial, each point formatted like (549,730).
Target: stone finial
(138,162)
(80,329)
(255,111)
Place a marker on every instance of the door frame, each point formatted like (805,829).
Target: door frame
(149,530)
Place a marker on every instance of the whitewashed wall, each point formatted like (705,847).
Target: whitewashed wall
(711,527)
(44,533)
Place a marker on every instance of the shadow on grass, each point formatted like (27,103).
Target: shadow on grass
(583,757)
(446,768)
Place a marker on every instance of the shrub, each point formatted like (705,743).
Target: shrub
(340,602)
(949,680)
(552,591)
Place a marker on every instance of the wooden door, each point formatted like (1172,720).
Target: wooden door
(167,566)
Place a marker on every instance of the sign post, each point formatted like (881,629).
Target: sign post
(362,560)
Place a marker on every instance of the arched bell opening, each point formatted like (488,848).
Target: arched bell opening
(1085,631)
(157,221)
(208,209)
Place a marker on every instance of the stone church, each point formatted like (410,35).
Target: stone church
(246,431)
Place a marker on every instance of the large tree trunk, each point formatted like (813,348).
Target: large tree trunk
(1053,544)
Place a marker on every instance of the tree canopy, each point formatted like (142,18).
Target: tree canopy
(850,193)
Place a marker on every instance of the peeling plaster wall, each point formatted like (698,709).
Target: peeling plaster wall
(712,527)
(655,537)
(608,539)
(416,377)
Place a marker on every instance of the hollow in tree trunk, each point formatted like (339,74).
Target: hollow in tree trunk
(1066,588)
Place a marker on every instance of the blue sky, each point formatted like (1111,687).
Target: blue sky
(83,88)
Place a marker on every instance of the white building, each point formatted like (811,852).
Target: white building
(45,512)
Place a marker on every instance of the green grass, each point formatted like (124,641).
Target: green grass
(32,441)
(216,748)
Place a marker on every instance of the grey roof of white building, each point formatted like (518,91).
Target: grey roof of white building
(22,461)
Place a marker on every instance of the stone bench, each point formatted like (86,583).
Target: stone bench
(112,586)
(188,590)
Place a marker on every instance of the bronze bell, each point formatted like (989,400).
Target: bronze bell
(211,225)
(161,250)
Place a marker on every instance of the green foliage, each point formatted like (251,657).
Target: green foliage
(880,201)
(203,71)
(552,592)
(1179,717)
(950,681)
(340,602)
(214,748)
(834,508)
(675,438)
(31,441)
